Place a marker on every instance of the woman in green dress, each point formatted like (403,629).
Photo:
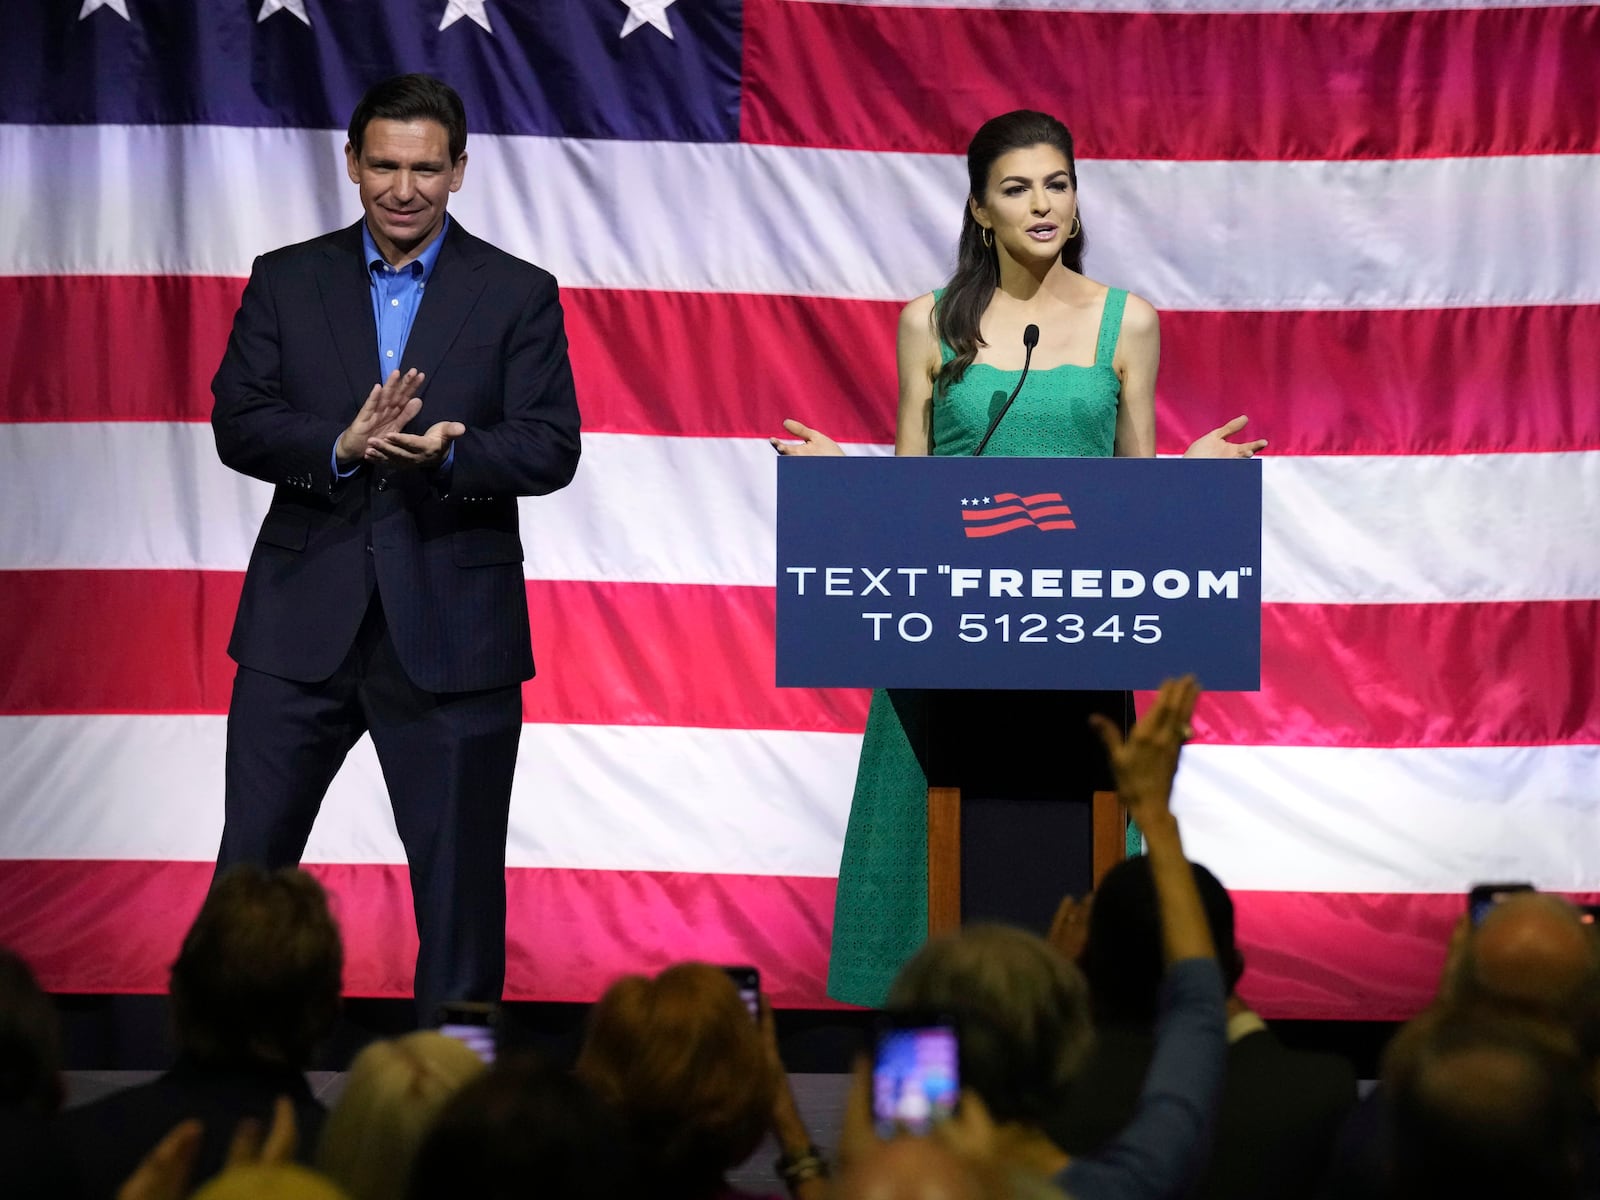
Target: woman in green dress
(959,349)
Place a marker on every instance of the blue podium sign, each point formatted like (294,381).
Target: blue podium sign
(1018,572)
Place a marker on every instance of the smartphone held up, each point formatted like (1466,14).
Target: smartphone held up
(475,1025)
(916,1074)
(748,981)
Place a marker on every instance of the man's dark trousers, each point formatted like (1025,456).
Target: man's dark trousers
(447,761)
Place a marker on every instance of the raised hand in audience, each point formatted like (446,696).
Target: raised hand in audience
(1069,931)
(1144,765)
(164,1173)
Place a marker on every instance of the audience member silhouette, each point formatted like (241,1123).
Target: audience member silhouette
(32,1162)
(1483,1110)
(696,1081)
(525,1128)
(1532,958)
(255,987)
(1280,1109)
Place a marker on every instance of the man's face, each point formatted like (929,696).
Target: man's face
(406,177)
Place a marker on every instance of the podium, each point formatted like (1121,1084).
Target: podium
(1015,595)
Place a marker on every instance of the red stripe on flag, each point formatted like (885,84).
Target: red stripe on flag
(982,531)
(1352,676)
(1377,675)
(990,514)
(96,926)
(1394,675)
(1256,85)
(679,654)
(96,348)
(1346,956)
(621,654)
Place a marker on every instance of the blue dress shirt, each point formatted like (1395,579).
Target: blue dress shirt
(396,296)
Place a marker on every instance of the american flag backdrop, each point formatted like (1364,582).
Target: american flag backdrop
(1374,228)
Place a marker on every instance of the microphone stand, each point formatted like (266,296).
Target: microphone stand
(1030,339)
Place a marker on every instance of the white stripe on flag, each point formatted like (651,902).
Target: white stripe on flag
(1304,819)
(1295,819)
(1336,529)
(647,798)
(768,219)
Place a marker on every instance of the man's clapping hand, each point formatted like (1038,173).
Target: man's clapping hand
(389,407)
(414,449)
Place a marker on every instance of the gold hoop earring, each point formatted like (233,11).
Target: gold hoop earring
(987,237)
(1077,227)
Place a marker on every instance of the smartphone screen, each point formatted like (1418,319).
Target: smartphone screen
(474,1025)
(1485,896)
(916,1075)
(748,981)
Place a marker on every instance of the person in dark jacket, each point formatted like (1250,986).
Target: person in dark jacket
(254,989)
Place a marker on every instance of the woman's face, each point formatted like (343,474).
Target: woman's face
(1029,202)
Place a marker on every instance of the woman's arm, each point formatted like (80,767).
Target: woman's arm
(917,359)
(1144,766)
(1137,358)
(1161,1151)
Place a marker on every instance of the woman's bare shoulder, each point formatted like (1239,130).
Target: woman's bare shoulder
(917,315)
(1139,315)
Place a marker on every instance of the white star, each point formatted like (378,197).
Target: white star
(296,7)
(647,12)
(473,10)
(120,7)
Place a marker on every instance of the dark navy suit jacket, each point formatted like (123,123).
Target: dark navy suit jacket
(444,553)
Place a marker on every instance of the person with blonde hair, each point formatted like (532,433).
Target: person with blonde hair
(270,1181)
(395,1091)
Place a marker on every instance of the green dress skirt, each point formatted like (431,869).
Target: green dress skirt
(881,911)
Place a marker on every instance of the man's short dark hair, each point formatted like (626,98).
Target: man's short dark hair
(411,98)
(260,971)
(1123,958)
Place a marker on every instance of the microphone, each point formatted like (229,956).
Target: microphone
(1030,339)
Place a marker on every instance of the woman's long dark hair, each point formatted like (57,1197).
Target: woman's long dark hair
(978,266)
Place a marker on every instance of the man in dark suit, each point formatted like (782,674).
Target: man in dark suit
(385,590)
(1280,1108)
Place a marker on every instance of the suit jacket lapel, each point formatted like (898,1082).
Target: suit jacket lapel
(452,291)
(347,303)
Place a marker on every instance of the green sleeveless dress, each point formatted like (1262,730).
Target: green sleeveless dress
(880,914)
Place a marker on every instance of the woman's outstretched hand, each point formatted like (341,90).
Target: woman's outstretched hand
(1216,444)
(812,441)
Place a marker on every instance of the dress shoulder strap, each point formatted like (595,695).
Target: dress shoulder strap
(1105,349)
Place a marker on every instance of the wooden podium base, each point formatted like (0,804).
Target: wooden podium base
(944,850)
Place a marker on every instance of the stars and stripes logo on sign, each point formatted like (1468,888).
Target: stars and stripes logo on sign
(1006,511)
